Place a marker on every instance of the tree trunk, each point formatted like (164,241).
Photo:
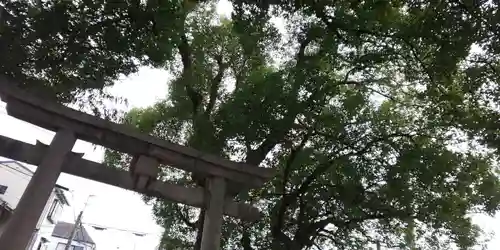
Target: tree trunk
(199,233)
(410,235)
(245,241)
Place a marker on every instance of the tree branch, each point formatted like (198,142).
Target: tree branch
(302,234)
(199,225)
(302,48)
(293,156)
(334,26)
(283,238)
(184,217)
(329,235)
(245,241)
(317,246)
(185,52)
(326,165)
(215,83)
(277,135)
(321,224)
(285,201)
(256,156)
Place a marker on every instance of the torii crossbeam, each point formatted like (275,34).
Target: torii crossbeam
(148,153)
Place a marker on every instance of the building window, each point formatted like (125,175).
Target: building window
(61,246)
(3,189)
(53,210)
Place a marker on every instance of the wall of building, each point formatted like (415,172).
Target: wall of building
(46,226)
(16,178)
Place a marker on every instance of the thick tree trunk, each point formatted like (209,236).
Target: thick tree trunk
(199,233)
(246,242)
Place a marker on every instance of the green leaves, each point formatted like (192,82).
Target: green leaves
(378,117)
(63,47)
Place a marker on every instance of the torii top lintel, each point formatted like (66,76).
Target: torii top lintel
(54,116)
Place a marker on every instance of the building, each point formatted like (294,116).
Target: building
(14,178)
(62,232)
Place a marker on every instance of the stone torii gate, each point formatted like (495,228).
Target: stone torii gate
(148,153)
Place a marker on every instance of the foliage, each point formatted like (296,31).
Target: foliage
(379,116)
(61,48)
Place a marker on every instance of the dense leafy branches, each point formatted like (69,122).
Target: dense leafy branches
(64,47)
(379,116)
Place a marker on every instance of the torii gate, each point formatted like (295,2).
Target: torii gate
(148,153)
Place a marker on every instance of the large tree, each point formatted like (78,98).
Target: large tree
(380,117)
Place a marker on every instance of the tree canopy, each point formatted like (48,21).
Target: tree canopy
(64,48)
(380,117)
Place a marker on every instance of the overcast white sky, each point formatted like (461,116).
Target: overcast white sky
(114,207)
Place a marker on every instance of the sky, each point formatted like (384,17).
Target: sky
(121,211)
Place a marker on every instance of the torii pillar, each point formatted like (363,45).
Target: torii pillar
(20,226)
(212,225)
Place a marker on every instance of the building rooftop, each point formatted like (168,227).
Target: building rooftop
(63,230)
